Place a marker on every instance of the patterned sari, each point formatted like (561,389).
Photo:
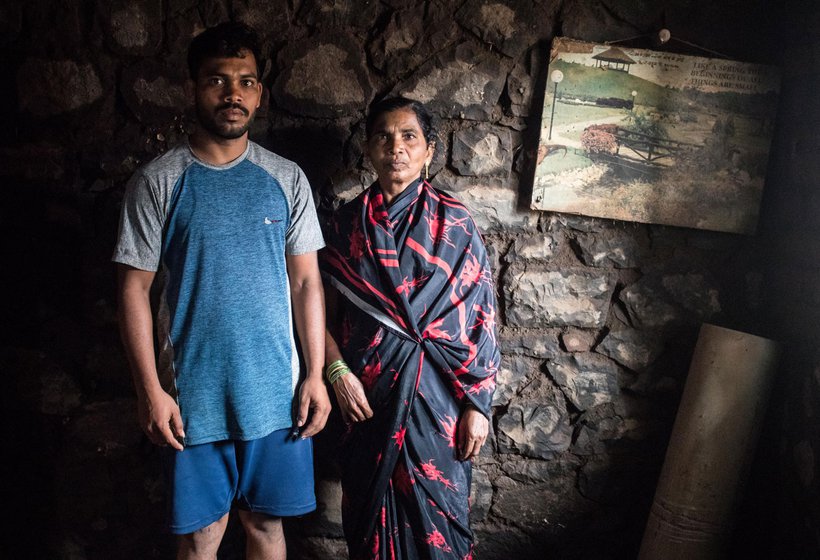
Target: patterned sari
(418,329)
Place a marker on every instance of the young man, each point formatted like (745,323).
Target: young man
(228,232)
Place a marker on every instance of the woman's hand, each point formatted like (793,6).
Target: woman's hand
(349,390)
(351,398)
(473,428)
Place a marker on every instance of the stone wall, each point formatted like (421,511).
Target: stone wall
(598,318)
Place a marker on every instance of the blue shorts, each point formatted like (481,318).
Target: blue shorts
(271,475)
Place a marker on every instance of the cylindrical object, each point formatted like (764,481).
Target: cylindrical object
(711,446)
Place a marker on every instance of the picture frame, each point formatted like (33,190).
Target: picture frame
(654,137)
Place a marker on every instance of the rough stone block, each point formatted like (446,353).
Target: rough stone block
(52,87)
(542,246)
(507,25)
(213,12)
(323,77)
(648,306)
(512,373)
(578,223)
(482,151)
(611,247)
(153,91)
(631,348)
(464,80)
(347,185)
(339,13)
(536,297)
(587,380)
(521,82)
(481,495)
(661,301)
(538,343)
(412,36)
(577,340)
(534,471)
(270,18)
(495,247)
(504,542)
(133,28)
(613,426)
(496,208)
(597,21)
(539,430)
(694,292)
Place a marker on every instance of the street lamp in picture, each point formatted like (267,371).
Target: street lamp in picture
(556,76)
(634,97)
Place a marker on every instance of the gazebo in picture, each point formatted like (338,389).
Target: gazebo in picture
(613,59)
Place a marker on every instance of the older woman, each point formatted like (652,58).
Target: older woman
(411,348)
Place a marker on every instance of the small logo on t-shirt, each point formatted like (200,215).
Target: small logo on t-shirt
(269,221)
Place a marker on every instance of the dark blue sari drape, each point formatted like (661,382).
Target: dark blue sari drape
(419,331)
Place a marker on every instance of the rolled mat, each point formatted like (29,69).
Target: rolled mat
(711,447)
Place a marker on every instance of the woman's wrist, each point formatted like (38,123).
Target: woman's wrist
(336,370)
(469,406)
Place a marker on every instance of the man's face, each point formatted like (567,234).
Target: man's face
(226,95)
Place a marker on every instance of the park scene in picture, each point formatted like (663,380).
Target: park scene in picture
(654,137)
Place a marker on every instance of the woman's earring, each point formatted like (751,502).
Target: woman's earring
(426,170)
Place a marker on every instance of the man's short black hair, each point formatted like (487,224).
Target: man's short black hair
(226,40)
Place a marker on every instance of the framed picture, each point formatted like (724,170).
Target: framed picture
(654,137)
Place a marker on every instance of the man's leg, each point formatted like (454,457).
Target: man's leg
(265,537)
(204,543)
(275,481)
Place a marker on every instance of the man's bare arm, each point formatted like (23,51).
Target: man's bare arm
(309,312)
(159,415)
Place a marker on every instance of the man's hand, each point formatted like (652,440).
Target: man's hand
(351,398)
(157,412)
(160,419)
(313,398)
(473,428)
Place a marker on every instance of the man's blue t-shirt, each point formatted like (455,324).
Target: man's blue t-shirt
(218,236)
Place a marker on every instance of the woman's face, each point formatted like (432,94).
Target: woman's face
(398,150)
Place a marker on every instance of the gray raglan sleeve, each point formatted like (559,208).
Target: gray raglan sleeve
(139,242)
(304,234)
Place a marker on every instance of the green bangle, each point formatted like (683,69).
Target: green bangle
(333,367)
(333,364)
(335,370)
(338,374)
